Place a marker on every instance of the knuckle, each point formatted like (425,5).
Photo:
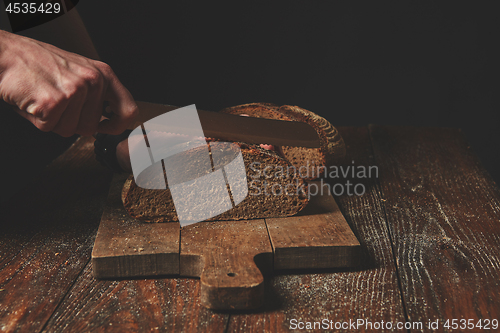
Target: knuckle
(92,77)
(36,111)
(53,102)
(45,108)
(77,87)
(46,112)
(45,124)
(104,68)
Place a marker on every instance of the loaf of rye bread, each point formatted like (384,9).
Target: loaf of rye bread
(278,192)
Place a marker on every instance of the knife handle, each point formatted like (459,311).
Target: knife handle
(105,149)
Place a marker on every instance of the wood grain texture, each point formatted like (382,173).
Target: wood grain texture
(125,247)
(319,237)
(59,214)
(230,258)
(139,305)
(443,213)
(368,292)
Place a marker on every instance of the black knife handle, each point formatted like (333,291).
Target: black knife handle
(105,149)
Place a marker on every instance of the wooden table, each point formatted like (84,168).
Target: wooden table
(429,225)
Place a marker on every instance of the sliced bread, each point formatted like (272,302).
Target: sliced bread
(273,190)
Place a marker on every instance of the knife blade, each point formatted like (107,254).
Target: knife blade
(230,127)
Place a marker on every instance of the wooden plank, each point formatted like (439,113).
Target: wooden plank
(319,237)
(229,257)
(63,208)
(369,292)
(443,211)
(139,305)
(125,247)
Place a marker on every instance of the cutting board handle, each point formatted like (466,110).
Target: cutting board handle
(232,285)
(229,263)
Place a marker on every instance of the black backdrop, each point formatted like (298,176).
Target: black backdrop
(395,63)
(398,63)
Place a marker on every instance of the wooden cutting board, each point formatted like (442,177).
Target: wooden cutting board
(230,257)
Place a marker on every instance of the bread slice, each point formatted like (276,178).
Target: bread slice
(309,161)
(274,190)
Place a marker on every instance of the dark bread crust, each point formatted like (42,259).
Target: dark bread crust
(332,145)
(258,110)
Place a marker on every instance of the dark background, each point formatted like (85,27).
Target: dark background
(393,63)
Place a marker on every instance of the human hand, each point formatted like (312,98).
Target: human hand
(60,91)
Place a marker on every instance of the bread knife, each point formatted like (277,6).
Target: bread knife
(236,128)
